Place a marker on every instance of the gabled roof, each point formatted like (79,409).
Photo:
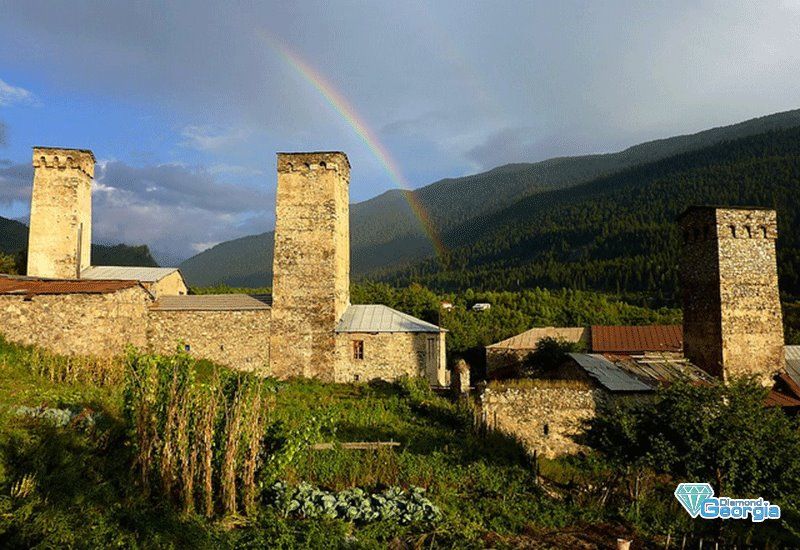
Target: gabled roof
(379,318)
(528,339)
(212,302)
(609,375)
(632,339)
(123,273)
(31,287)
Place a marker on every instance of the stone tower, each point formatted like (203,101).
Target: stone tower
(60,235)
(311,266)
(732,323)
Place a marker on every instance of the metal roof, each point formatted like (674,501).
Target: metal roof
(212,302)
(793,363)
(379,318)
(657,368)
(608,374)
(123,273)
(31,287)
(631,339)
(528,339)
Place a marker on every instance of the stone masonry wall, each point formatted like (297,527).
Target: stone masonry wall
(731,303)
(171,285)
(545,416)
(237,339)
(752,326)
(387,356)
(311,266)
(77,324)
(699,272)
(60,235)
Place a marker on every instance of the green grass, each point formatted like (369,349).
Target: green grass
(75,487)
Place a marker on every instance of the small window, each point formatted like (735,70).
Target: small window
(546,429)
(187,347)
(749,231)
(358,349)
(733,231)
(763,229)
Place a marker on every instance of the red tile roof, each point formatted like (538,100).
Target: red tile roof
(30,287)
(621,339)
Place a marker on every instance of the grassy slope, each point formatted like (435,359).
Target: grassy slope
(62,487)
(83,494)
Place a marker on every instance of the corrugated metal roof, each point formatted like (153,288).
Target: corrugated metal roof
(657,368)
(608,374)
(529,338)
(627,339)
(30,287)
(213,302)
(793,362)
(379,318)
(123,273)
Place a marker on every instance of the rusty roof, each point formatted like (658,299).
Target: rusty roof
(31,287)
(658,368)
(529,338)
(213,302)
(637,339)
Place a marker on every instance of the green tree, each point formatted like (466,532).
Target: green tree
(720,433)
(8,264)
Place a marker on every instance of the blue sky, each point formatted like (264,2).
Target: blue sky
(185,103)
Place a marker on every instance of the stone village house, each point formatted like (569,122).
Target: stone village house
(308,328)
(732,326)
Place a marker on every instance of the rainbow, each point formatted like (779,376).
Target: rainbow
(342,107)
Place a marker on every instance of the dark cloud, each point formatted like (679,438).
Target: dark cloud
(175,210)
(15,183)
(2,133)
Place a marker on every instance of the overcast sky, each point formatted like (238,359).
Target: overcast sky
(185,104)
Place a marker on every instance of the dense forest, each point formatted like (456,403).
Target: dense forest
(14,244)
(387,236)
(618,233)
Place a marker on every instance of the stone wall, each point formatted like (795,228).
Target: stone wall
(237,339)
(77,324)
(386,356)
(171,285)
(311,265)
(546,416)
(731,304)
(60,235)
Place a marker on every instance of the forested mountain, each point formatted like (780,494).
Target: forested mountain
(618,233)
(14,241)
(386,236)
(13,236)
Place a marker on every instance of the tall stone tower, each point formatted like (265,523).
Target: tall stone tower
(311,266)
(732,323)
(60,235)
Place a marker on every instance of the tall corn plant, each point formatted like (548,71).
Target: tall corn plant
(198,445)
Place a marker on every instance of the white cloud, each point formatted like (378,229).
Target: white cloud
(14,95)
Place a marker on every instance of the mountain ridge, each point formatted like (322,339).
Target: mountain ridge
(386,236)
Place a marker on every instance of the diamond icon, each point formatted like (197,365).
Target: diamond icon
(692,495)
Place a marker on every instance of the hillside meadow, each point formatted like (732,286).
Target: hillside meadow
(148,451)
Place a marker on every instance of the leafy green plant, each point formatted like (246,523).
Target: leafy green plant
(355,505)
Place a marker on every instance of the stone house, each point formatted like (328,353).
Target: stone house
(548,413)
(732,326)
(160,281)
(308,327)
